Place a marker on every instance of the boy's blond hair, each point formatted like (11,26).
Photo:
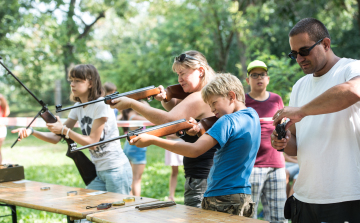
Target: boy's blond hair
(221,85)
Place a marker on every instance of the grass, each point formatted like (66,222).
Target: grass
(45,162)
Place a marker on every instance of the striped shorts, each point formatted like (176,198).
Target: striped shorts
(269,185)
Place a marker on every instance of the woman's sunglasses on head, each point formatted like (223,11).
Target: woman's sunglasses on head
(183,56)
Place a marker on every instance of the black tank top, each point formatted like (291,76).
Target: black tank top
(198,167)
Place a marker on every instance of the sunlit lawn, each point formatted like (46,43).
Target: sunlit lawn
(45,162)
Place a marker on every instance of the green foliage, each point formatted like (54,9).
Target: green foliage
(133,42)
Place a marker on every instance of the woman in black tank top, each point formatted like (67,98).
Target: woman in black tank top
(193,73)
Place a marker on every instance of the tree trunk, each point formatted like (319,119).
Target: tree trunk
(242,50)
(358,17)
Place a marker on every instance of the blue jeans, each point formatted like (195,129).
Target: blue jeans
(117,180)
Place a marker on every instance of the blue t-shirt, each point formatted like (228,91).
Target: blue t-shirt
(238,136)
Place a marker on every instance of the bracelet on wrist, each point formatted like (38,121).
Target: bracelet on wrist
(32,130)
(67,134)
(62,130)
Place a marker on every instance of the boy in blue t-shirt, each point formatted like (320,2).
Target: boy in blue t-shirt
(237,136)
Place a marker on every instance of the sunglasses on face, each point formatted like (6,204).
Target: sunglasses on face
(183,56)
(303,52)
(255,75)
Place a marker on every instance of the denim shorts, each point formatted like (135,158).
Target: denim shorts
(293,169)
(117,180)
(135,154)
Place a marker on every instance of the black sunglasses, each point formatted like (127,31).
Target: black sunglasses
(183,56)
(302,52)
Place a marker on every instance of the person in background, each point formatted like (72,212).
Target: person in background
(174,160)
(268,178)
(110,88)
(292,172)
(136,155)
(4,112)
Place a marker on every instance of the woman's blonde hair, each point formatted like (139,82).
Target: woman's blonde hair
(221,85)
(200,61)
(87,72)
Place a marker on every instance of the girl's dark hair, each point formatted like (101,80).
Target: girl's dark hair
(125,117)
(87,72)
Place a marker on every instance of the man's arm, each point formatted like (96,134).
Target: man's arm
(192,150)
(289,142)
(334,99)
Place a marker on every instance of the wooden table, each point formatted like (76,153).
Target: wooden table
(29,195)
(177,213)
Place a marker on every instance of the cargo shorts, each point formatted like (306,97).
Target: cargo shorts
(236,204)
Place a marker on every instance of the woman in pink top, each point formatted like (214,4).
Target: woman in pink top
(4,112)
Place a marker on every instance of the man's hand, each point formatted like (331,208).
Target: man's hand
(279,144)
(22,132)
(162,95)
(55,127)
(142,140)
(121,103)
(295,114)
(195,129)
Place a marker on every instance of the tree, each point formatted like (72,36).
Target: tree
(53,36)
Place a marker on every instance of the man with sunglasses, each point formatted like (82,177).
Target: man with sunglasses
(325,108)
(268,177)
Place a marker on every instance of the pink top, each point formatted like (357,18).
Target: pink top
(267,156)
(2,114)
